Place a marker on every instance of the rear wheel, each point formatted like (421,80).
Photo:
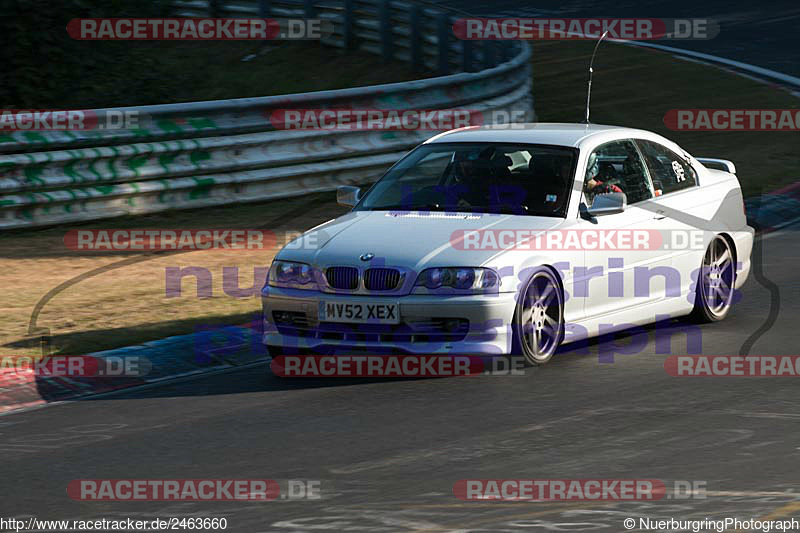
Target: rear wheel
(539,318)
(715,282)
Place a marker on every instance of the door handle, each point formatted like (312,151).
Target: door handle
(660,215)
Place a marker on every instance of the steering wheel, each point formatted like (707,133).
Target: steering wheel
(607,173)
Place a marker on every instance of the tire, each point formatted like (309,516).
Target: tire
(538,327)
(715,282)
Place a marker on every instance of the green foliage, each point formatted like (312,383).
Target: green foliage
(40,63)
(41,67)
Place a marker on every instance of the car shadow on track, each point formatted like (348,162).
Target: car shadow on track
(259,378)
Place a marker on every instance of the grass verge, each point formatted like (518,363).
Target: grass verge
(158,72)
(635,87)
(128,303)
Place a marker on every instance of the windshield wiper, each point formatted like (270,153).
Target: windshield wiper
(417,207)
(495,209)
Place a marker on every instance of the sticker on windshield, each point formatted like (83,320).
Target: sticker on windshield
(550,198)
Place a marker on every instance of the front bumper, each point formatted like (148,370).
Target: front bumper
(478,324)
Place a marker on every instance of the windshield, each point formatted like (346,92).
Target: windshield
(522,179)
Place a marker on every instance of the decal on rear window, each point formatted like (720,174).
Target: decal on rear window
(679,174)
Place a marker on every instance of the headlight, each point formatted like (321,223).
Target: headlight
(291,274)
(459,278)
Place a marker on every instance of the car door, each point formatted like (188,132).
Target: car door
(679,201)
(613,280)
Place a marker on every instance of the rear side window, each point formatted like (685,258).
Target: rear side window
(669,171)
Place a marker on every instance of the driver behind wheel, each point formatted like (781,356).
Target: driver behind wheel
(472,172)
(594,183)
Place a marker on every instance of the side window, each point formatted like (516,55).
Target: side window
(670,172)
(616,167)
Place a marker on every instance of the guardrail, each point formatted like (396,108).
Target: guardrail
(227,151)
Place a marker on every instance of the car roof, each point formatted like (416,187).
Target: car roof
(539,133)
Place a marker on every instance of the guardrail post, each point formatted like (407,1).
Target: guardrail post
(467,63)
(488,54)
(415,37)
(263,9)
(443,42)
(385,16)
(308,8)
(349,35)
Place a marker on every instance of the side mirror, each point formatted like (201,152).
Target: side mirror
(608,204)
(348,195)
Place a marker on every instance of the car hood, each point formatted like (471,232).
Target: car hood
(413,240)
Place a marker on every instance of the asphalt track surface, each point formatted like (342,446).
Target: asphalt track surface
(387,452)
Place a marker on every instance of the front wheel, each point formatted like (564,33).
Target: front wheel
(715,282)
(539,318)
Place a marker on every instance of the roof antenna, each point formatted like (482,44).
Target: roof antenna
(591,71)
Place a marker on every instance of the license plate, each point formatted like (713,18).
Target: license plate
(359,313)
